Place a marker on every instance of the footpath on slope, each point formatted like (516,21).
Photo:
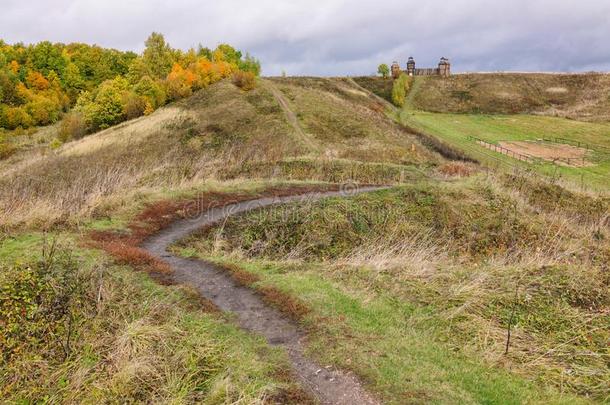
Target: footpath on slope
(328,385)
(291,117)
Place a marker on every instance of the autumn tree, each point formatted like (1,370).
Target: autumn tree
(40,82)
(152,91)
(158,56)
(179,83)
(226,53)
(73,80)
(37,81)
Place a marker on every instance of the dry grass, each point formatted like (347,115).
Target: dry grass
(124,245)
(218,133)
(582,96)
(175,147)
(457,169)
(349,124)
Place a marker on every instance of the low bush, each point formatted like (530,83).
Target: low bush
(6,148)
(73,126)
(244,80)
(457,169)
(40,305)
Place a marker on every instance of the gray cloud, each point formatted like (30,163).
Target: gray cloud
(338,37)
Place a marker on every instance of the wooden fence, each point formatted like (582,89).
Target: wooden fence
(579,144)
(497,148)
(427,72)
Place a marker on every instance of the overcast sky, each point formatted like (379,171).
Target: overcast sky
(337,37)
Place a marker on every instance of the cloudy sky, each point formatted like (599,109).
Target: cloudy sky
(338,37)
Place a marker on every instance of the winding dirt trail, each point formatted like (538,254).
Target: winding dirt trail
(291,117)
(329,386)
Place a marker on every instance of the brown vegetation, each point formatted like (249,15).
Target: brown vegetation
(72,127)
(457,169)
(577,96)
(124,245)
(286,303)
(220,133)
(244,80)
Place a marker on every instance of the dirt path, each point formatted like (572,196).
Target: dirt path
(329,385)
(374,96)
(291,116)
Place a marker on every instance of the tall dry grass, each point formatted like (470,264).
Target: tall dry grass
(172,148)
(134,341)
(221,133)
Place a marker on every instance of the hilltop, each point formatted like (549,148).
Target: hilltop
(575,96)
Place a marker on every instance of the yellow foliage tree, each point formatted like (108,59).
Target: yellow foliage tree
(179,82)
(14,66)
(37,81)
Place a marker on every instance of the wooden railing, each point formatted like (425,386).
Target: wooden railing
(500,149)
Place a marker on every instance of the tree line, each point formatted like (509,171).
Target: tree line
(92,88)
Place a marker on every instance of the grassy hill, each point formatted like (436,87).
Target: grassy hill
(583,97)
(412,288)
(527,111)
(222,133)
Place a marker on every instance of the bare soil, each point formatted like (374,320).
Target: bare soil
(253,313)
(559,153)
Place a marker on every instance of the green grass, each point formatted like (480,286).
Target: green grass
(456,128)
(22,247)
(394,345)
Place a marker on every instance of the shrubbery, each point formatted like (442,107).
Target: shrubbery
(40,305)
(72,127)
(400,90)
(6,148)
(244,80)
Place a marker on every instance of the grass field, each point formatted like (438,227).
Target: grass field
(455,129)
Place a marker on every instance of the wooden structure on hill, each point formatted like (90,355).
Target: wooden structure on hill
(443,69)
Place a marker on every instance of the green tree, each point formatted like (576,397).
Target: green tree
(106,106)
(158,56)
(227,53)
(137,70)
(204,52)
(152,90)
(46,56)
(400,90)
(250,64)
(383,70)
(73,80)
